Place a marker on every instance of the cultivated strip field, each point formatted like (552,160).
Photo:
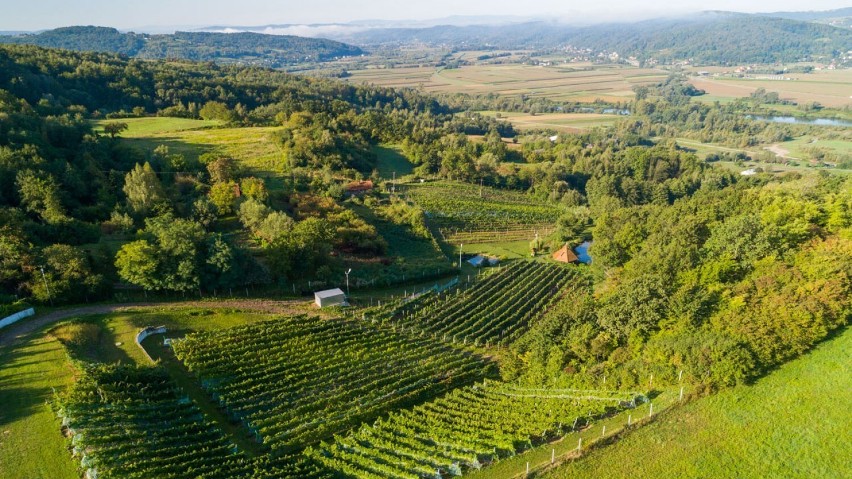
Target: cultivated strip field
(829,88)
(465,430)
(298,380)
(132,422)
(561,122)
(496,310)
(461,215)
(573,82)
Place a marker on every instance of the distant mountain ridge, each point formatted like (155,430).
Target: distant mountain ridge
(244,47)
(812,15)
(708,37)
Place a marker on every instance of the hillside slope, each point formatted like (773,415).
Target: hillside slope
(244,48)
(709,38)
(792,424)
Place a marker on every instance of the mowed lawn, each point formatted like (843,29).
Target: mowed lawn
(794,423)
(31,445)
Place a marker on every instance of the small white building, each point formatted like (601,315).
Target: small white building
(330,297)
(749,172)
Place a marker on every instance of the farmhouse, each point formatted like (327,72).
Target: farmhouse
(330,297)
(565,255)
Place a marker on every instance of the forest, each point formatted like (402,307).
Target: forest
(274,51)
(706,38)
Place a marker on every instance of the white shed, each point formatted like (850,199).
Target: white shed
(330,297)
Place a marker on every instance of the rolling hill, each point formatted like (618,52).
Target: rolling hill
(708,38)
(242,48)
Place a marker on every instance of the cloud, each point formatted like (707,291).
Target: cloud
(314,31)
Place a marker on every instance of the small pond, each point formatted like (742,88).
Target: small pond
(583,252)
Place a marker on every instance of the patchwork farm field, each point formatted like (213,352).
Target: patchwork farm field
(829,88)
(571,82)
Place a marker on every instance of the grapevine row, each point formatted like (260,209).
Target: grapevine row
(463,430)
(295,381)
(496,310)
(133,422)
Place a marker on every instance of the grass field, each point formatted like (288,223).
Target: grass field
(794,150)
(793,423)
(391,160)
(254,148)
(143,127)
(829,88)
(562,122)
(571,82)
(30,443)
(798,147)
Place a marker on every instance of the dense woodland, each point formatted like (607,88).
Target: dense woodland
(720,38)
(245,48)
(696,268)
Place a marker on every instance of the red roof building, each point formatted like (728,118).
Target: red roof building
(565,255)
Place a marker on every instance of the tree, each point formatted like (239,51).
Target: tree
(137,263)
(252,214)
(214,110)
(143,189)
(221,169)
(254,188)
(15,258)
(170,256)
(275,225)
(223,195)
(40,195)
(304,249)
(67,274)
(114,129)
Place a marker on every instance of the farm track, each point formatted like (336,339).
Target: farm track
(15,332)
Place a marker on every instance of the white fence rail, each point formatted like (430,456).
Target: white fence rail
(16,317)
(149,331)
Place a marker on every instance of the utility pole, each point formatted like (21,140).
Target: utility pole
(393,184)
(461,245)
(49,296)
(347,281)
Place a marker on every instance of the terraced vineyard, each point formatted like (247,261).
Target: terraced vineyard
(466,429)
(298,380)
(461,215)
(496,310)
(132,422)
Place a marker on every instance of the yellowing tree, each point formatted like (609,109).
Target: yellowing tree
(223,195)
(143,189)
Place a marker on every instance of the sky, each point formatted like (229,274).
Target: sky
(27,15)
